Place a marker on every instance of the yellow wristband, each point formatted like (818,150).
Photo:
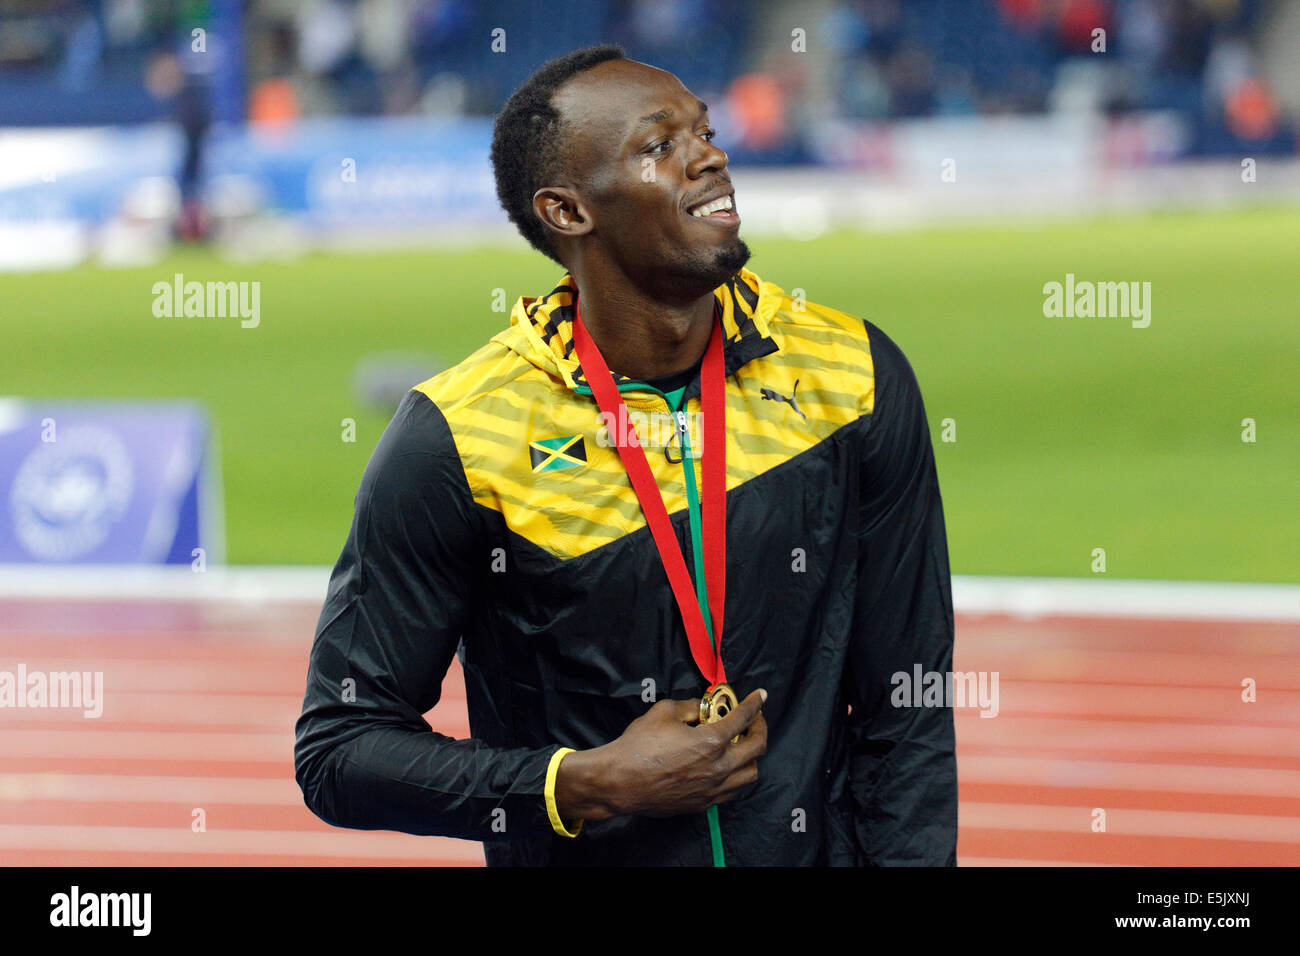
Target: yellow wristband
(552,810)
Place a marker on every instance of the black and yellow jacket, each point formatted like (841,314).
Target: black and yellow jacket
(496,512)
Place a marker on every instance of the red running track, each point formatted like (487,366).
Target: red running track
(1143,720)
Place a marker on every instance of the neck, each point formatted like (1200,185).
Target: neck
(641,337)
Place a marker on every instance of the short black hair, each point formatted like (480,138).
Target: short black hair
(528,139)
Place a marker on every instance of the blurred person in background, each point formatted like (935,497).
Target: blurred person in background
(168,78)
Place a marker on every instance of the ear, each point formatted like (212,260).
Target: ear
(561,211)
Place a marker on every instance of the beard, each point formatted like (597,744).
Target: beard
(698,274)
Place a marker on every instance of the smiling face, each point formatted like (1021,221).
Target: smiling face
(648,191)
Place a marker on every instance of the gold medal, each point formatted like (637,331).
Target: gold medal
(716,704)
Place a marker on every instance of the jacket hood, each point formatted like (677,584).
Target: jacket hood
(541,328)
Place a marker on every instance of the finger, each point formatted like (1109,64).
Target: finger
(687,711)
(736,781)
(748,748)
(759,725)
(757,733)
(740,718)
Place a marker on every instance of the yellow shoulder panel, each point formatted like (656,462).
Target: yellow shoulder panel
(540,454)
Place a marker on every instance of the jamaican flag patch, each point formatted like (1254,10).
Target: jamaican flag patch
(549,454)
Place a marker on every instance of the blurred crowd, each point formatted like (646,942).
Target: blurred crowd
(88,61)
(906,58)
(450,57)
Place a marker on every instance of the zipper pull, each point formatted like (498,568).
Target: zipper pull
(683,430)
(683,434)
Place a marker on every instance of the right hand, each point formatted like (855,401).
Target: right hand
(666,763)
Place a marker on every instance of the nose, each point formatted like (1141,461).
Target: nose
(707,157)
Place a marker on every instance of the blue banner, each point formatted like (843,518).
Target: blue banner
(108,483)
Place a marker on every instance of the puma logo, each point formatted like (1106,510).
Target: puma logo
(772,396)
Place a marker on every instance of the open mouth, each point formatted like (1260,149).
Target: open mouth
(721,210)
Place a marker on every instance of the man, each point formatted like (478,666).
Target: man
(609,592)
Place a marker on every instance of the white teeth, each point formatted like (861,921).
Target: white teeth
(723,202)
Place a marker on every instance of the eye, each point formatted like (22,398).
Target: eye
(661,148)
(709,134)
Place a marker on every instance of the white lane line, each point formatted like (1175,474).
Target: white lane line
(1008,861)
(1020,771)
(972,594)
(79,739)
(1085,597)
(132,788)
(241,584)
(1124,821)
(1116,775)
(1107,737)
(333,843)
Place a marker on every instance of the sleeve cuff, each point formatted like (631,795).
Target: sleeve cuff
(552,810)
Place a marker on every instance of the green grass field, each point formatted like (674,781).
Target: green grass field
(1072,434)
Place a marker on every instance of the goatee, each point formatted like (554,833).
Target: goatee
(700,275)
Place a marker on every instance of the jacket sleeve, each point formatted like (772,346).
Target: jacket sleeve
(364,756)
(902,762)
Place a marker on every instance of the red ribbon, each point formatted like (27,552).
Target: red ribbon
(714,493)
